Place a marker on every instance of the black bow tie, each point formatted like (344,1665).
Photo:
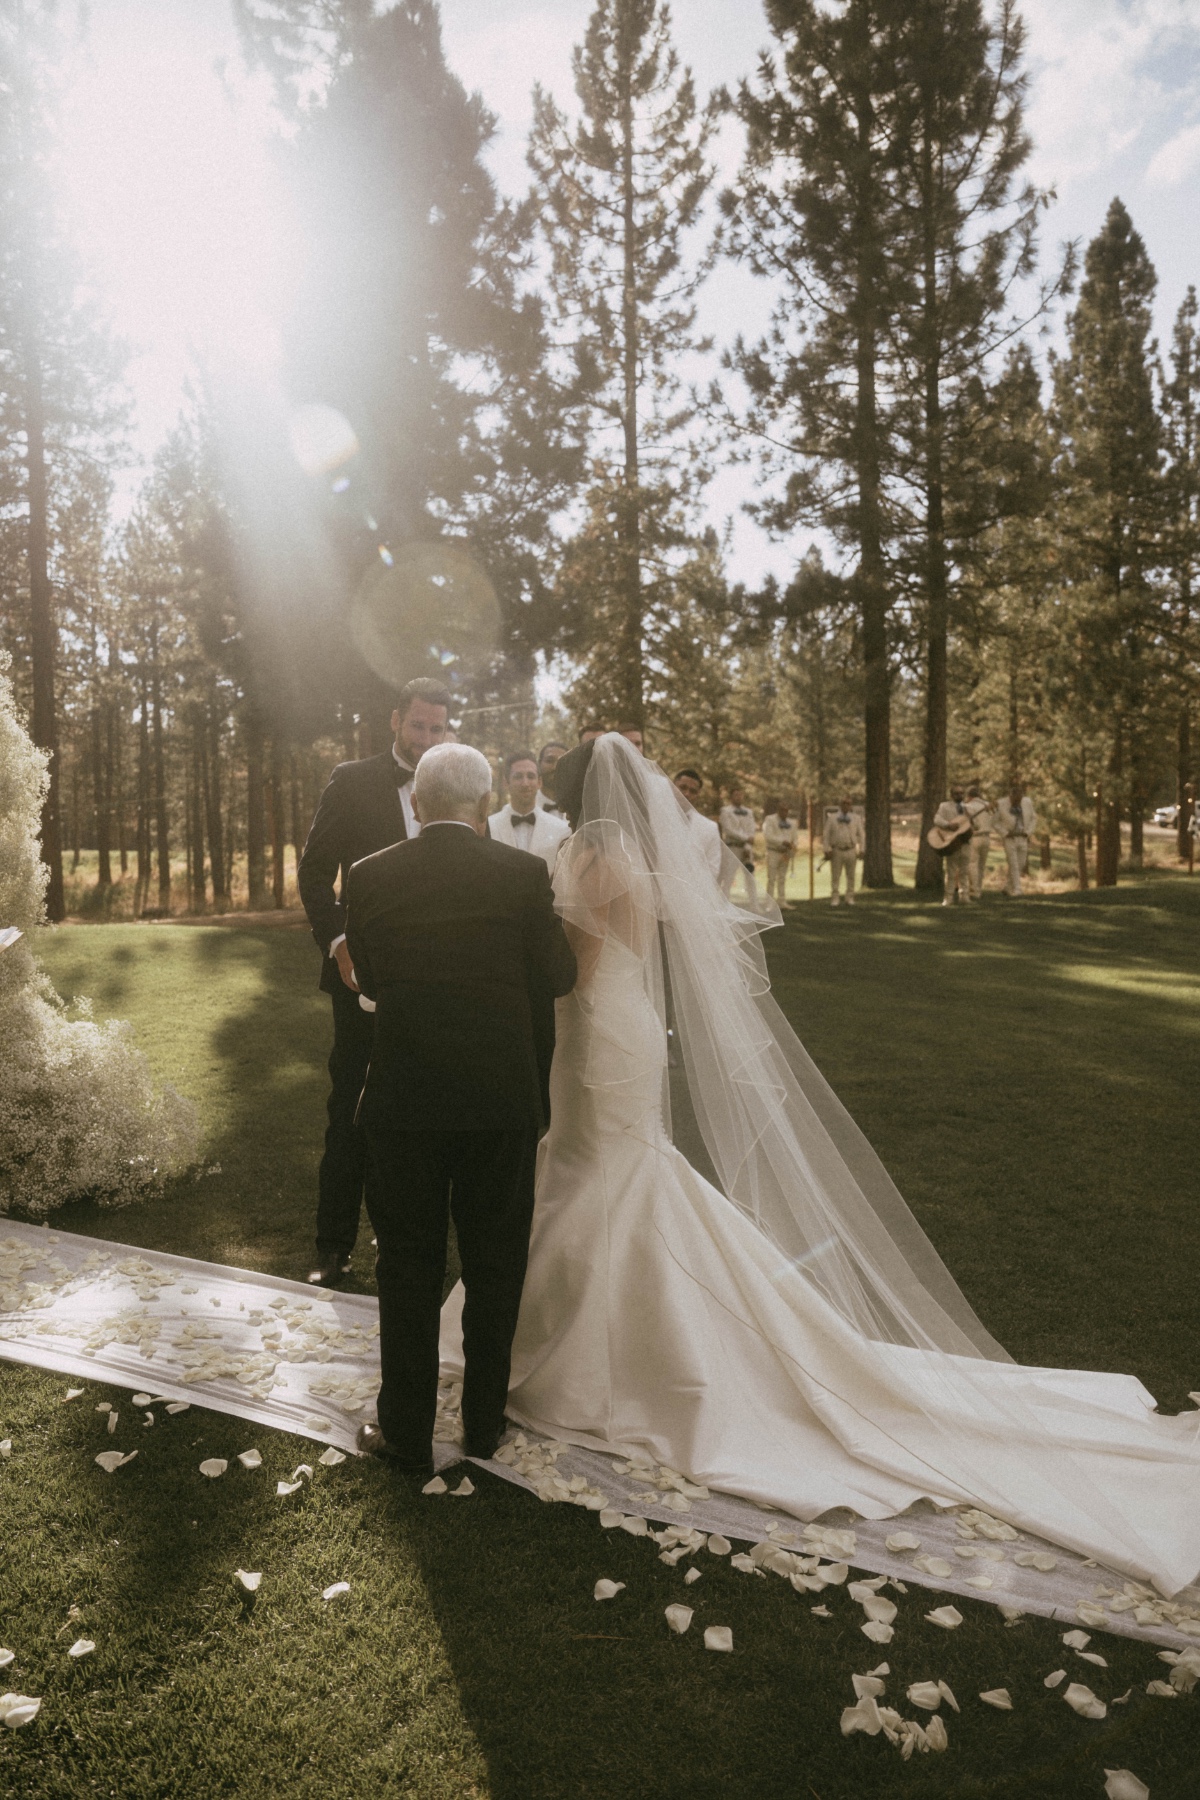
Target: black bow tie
(524,818)
(403,775)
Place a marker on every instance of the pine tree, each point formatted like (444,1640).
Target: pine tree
(817,208)
(617,194)
(1109,470)
(1181,422)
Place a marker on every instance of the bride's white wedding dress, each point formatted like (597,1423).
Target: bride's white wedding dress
(661,1316)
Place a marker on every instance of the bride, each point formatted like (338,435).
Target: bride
(787,1334)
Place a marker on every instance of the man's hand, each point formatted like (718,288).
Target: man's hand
(345,967)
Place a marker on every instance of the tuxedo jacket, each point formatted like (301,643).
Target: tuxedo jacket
(359,813)
(456,939)
(547,834)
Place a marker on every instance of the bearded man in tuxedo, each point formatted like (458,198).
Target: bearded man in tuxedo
(366,806)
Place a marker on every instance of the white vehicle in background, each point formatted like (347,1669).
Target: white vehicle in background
(1166,816)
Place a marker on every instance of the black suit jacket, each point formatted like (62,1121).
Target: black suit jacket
(456,939)
(359,813)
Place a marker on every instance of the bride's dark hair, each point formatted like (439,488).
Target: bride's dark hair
(569,778)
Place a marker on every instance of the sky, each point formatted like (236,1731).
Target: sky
(168,181)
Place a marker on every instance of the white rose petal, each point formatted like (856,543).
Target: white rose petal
(104,1406)
(948,1696)
(935,1734)
(868,1685)
(927,1694)
(934,1565)
(679,1618)
(251,1580)
(694,1575)
(980,1581)
(148,1420)
(6,1448)
(177,1406)
(877,1631)
(331,1457)
(1000,1698)
(901,1540)
(112,1422)
(213,1466)
(1122,1785)
(316,1424)
(1121,1699)
(1055,1680)
(21,1709)
(718,1545)
(250,1459)
(863,1717)
(718,1637)
(636,1527)
(1092,1657)
(336,1588)
(436,1486)
(110,1460)
(1085,1702)
(821,1612)
(607,1590)
(466,1486)
(7,1656)
(948,1617)
(1091,1614)
(81,1647)
(1076,1640)
(283,1488)
(1162,1690)
(1036,1559)
(877,1608)
(140,1400)
(301,1469)
(609,1518)
(71,1394)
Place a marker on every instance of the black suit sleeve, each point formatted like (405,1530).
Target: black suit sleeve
(356,938)
(549,958)
(324,851)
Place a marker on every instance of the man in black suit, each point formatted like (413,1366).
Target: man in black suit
(366,806)
(455,938)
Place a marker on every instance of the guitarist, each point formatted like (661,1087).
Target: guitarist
(952,817)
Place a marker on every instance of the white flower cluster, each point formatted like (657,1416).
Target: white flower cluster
(79,1114)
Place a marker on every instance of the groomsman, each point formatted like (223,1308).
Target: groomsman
(780,834)
(1016,820)
(690,783)
(520,823)
(983,821)
(547,762)
(366,806)
(955,877)
(843,842)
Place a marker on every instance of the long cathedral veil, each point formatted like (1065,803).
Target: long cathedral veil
(784,1148)
(917,1385)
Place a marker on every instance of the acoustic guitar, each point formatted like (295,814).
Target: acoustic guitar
(945,838)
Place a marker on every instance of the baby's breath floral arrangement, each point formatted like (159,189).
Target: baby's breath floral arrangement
(79,1113)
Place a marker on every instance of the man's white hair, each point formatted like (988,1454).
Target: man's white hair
(450,781)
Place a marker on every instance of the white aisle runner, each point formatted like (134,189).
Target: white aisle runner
(306,1361)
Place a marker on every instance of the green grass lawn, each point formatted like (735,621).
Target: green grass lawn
(1027,1074)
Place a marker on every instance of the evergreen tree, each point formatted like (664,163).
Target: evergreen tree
(1181,421)
(616,195)
(817,209)
(1112,494)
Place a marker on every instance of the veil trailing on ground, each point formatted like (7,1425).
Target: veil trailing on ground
(784,1148)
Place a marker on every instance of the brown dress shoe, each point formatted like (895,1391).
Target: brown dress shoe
(371,1442)
(328,1271)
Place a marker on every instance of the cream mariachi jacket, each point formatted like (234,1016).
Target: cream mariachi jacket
(777,836)
(842,833)
(1020,823)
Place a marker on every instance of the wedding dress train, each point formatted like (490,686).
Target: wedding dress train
(659,1316)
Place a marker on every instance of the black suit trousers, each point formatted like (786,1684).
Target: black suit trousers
(343,1166)
(416,1181)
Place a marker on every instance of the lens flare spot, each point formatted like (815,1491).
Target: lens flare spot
(322,439)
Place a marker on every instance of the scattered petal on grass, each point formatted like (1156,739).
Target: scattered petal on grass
(718,1545)
(331,1457)
(877,1608)
(302,1469)
(607,1590)
(1122,1699)
(283,1488)
(609,1518)
(1084,1701)
(20,1709)
(821,1612)
(1012,1615)
(935,1734)
(692,1575)
(948,1696)
(140,1400)
(1093,1656)
(112,1422)
(946,1616)
(72,1394)
(743,1562)
(251,1580)
(336,1588)
(1092,1615)
(868,1686)
(718,1637)
(1122,1785)
(250,1459)
(1162,1690)
(213,1466)
(1076,1640)
(1000,1698)
(679,1618)
(110,1460)
(877,1631)
(466,1486)
(1055,1680)
(901,1540)
(104,1406)
(81,1647)
(635,1526)
(148,1420)
(863,1717)
(927,1694)
(7,1656)
(178,1406)
(5,1448)
(436,1486)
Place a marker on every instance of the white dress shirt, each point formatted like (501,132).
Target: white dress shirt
(541,838)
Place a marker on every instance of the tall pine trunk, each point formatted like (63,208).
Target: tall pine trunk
(929,869)
(210,775)
(142,889)
(1183,777)
(102,798)
(256,847)
(162,831)
(277,833)
(43,632)
(632,677)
